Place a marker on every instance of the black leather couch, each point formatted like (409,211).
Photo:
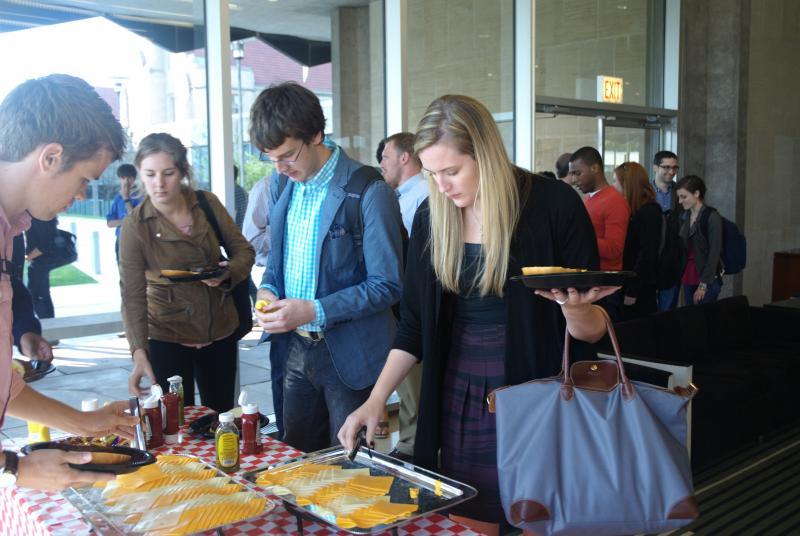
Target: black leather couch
(746,364)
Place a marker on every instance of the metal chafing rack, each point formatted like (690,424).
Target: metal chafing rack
(435,492)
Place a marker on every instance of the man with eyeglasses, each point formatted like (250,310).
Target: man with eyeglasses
(330,281)
(665,168)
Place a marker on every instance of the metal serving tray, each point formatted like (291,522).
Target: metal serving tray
(406,476)
(91,506)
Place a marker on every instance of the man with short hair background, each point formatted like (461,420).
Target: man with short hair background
(665,169)
(403,171)
(56,135)
(330,290)
(609,213)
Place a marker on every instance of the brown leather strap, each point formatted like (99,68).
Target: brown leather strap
(568,384)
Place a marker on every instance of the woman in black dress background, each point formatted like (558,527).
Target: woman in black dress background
(642,241)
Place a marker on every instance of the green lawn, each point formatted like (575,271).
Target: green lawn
(69,275)
(66,275)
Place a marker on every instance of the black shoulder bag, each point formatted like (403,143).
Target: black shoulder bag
(240,293)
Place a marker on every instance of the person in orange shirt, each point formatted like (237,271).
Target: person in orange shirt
(608,211)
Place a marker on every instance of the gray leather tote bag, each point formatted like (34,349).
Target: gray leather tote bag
(591,452)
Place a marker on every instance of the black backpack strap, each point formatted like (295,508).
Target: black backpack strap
(283,180)
(358,183)
(212,220)
(704,220)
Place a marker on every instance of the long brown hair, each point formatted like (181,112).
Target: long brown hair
(636,187)
(468,126)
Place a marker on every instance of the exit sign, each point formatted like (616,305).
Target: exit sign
(609,89)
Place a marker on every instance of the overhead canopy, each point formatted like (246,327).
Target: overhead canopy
(173,37)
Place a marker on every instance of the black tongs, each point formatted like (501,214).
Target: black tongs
(361,441)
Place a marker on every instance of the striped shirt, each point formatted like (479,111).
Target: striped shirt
(300,265)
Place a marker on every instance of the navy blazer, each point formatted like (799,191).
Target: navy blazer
(356,292)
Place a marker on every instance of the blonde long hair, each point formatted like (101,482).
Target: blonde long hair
(467,125)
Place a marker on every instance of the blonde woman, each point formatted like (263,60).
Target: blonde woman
(475,330)
(183,328)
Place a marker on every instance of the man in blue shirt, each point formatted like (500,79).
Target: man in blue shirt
(665,168)
(403,171)
(125,201)
(330,290)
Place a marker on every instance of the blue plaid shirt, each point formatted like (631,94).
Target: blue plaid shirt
(300,265)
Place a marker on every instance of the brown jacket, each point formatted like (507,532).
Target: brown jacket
(188,312)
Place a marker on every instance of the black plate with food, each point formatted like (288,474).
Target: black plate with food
(198,274)
(206,426)
(577,280)
(116,460)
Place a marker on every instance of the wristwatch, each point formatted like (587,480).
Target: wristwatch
(8,476)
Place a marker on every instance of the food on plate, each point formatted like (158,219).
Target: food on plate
(109,458)
(544,270)
(110,440)
(179,495)
(348,497)
(200,513)
(178,273)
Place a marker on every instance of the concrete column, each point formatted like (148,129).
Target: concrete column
(357,58)
(712,131)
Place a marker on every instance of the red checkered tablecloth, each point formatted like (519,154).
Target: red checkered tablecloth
(28,512)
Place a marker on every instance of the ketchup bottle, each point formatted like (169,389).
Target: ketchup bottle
(171,403)
(153,423)
(251,430)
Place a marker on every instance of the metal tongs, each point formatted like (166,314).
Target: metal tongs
(361,441)
(138,440)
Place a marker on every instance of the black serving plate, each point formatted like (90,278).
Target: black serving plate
(196,276)
(138,458)
(206,426)
(577,280)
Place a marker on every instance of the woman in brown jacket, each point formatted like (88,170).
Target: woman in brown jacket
(183,328)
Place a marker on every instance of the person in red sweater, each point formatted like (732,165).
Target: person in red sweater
(608,211)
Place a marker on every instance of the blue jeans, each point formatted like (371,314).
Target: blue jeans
(315,401)
(711,292)
(668,298)
(277,365)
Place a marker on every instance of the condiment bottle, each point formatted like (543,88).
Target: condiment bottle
(153,423)
(176,386)
(171,402)
(227,441)
(251,429)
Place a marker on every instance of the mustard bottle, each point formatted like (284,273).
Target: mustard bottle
(226,440)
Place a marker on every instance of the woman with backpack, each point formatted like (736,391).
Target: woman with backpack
(642,240)
(701,232)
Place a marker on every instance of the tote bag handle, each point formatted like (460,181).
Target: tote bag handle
(599,375)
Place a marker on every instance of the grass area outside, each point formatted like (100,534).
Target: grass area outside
(64,276)
(69,275)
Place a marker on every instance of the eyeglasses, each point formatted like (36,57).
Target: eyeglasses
(264,157)
(669,168)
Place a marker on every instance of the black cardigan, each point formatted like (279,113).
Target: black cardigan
(554,230)
(641,250)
